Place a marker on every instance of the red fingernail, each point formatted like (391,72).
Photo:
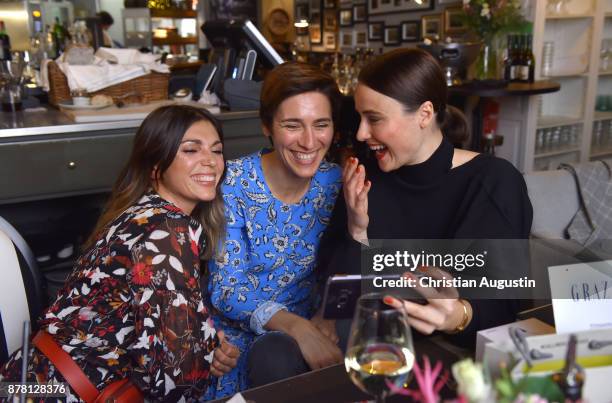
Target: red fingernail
(388,300)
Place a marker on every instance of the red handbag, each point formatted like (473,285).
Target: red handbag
(121,391)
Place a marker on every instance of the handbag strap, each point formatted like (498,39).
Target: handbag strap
(64,363)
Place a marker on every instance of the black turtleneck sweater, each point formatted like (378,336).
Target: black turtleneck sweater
(485,198)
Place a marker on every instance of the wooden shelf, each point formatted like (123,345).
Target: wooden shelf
(557,152)
(601,153)
(171,13)
(553,121)
(569,16)
(179,40)
(599,115)
(605,73)
(568,75)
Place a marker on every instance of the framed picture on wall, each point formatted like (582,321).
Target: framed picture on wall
(392,35)
(453,21)
(398,6)
(446,1)
(330,22)
(315,33)
(360,13)
(345,16)
(315,17)
(361,38)
(301,12)
(431,26)
(346,39)
(329,4)
(329,40)
(375,31)
(411,31)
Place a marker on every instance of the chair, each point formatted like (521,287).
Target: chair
(21,294)
(555,201)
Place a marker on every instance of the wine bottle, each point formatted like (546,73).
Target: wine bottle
(530,59)
(510,59)
(5,43)
(522,70)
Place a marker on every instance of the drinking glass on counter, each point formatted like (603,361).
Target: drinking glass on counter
(380,350)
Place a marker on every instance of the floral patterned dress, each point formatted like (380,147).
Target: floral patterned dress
(133,308)
(269,258)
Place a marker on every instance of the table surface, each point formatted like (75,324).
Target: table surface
(332,384)
(512,89)
(47,120)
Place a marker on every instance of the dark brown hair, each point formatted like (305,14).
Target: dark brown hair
(293,78)
(155,145)
(411,77)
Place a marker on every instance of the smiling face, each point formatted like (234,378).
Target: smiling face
(302,131)
(396,137)
(196,169)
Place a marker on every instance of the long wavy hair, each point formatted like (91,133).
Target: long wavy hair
(155,146)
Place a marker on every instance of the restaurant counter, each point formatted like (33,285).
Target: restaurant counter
(44,155)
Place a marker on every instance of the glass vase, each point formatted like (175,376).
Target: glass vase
(486,63)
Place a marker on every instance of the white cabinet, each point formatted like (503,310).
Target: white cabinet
(570,47)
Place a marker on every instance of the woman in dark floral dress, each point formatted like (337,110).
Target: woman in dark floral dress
(133,306)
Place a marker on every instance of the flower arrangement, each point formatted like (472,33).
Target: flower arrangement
(487,18)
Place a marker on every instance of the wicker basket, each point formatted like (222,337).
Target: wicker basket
(150,87)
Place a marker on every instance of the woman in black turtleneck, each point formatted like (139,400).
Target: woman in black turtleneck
(416,185)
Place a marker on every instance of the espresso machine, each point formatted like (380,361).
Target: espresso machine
(455,58)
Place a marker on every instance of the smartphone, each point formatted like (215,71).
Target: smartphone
(343,290)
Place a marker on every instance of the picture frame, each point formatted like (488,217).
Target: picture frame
(330,20)
(315,17)
(329,4)
(302,12)
(411,31)
(431,26)
(360,13)
(329,41)
(346,39)
(314,31)
(376,7)
(361,38)
(315,5)
(375,31)
(392,35)
(345,17)
(448,1)
(453,21)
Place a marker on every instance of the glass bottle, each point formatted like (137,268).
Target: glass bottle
(509,61)
(530,59)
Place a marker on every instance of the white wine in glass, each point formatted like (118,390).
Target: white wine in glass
(380,350)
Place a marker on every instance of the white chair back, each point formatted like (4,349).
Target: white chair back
(14,308)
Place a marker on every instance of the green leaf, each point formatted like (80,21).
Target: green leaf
(543,386)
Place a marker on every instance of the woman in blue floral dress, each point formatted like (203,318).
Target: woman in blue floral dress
(278,204)
(133,306)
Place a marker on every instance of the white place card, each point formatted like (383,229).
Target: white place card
(582,296)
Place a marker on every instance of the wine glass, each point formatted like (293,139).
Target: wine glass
(380,351)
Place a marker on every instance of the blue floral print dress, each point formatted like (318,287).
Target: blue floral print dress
(133,307)
(269,257)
